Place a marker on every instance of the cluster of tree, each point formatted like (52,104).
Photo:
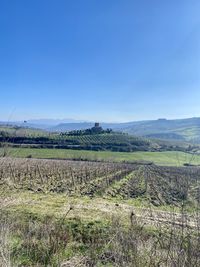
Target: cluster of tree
(4,134)
(102,147)
(94,130)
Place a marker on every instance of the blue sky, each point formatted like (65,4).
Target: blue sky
(106,60)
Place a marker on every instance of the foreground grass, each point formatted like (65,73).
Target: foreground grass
(167,158)
(39,229)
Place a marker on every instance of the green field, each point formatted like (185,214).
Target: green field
(173,158)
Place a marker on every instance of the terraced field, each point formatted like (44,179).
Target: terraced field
(96,142)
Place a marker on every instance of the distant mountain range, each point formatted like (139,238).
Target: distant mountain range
(44,124)
(180,129)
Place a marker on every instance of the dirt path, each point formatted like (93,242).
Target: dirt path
(143,215)
(98,208)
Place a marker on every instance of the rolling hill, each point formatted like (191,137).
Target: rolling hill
(185,130)
(105,141)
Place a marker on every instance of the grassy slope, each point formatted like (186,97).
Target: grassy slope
(172,158)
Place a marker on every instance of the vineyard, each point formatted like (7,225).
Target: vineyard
(68,177)
(113,142)
(64,213)
(157,185)
(113,138)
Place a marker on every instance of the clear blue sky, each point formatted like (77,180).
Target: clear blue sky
(107,60)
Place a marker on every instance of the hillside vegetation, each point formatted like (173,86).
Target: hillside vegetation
(111,141)
(106,140)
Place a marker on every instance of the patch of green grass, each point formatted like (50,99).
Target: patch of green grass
(47,241)
(168,158)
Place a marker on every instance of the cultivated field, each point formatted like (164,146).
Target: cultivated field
(157,185)
(83,213)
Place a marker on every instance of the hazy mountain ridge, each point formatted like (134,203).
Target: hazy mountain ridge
(43,124)
(185,129)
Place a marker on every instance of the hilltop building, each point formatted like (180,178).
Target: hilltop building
(97,124)
(97,128)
